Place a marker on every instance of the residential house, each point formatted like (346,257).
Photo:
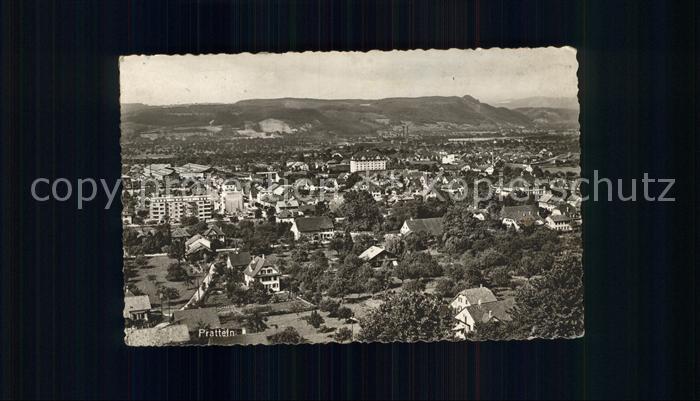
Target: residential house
(137,307)
(214,233)
(432,226)
(377,256)
(180,234)
(315,229)
(198,251)
(127,218)
(264,270)
(574,200)
(297,166)
(449,158)
(269,193)
(197,246)
(195,240)
(547,202)
(468,317)
(373,189)
(307,210)
(472,296)
(480,214)
(477,305)
(488,169)
(238,260)
(291,206)
(269,176)
(519,216)
(559,222)
(568,210)
(537,191)
(285,216)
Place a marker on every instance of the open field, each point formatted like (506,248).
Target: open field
(277,323)
(280,322)
(154,275)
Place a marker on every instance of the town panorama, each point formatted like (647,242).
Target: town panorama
(299,220)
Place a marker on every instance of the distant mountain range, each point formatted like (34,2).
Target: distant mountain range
(541,101)
(550,117)
(276,117)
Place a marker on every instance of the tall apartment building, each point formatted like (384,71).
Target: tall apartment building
(367,161)
(177,207)
(232,202)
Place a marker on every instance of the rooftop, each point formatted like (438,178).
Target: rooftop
(368,155)
(213,230)
(518,212)
(371,253)
(474,295)
(260,262)
(560,217)
(239,258)
(312,224)
(432,226)
(136,303)
(499,310)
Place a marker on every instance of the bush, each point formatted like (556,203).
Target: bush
(315,319)
(418,266)
(500,277)
(344,313)
(329,305)
(257,293)
(445,288)
(288,336)
(343,334)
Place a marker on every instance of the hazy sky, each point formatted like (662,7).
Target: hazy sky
(489,75)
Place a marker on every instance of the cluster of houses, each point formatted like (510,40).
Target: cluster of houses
(219,192)
(478,305)
(470,306)
(187,324)
(562,216)
(223,194)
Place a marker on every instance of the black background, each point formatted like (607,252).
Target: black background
(61,277)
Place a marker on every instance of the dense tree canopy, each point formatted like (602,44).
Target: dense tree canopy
(351,277)
(418,265)
(361,211)
(552,305)
(408,316)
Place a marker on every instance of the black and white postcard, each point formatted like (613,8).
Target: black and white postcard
(402,196)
